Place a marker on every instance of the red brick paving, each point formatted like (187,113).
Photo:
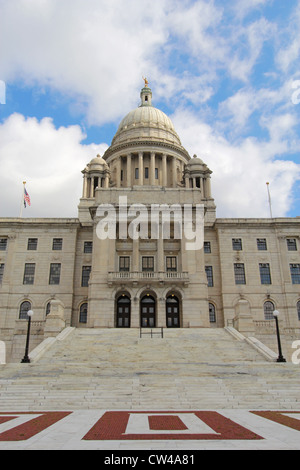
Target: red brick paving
(112,426)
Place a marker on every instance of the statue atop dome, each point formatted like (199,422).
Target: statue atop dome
(146,82)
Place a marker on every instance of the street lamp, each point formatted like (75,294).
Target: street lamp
(280,356)
(26,357)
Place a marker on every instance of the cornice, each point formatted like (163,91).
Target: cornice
(147,143)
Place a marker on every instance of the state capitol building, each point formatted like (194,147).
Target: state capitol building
(69,276)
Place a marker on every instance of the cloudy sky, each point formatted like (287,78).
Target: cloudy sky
(226,72)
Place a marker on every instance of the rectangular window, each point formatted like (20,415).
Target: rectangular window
(88,247)
(156,173)
(57,244)
(3,244)
(207,248)
(239,273)
(261,244)
(291,244)
(147,263)
(54,277)
(295,273)
(1,272)
(32,244)
(136,173)
(85,277)
(146,172)
(237,244)
(124,263)
(209,275)
(265,275)
(29,272)
(171,263)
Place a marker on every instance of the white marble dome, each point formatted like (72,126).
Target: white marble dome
(146,123)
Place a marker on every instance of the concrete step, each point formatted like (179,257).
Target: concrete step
(116,369)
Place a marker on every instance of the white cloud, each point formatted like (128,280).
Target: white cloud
(236,110)
(241,170)
(288,50)
(50,160)
(96,51)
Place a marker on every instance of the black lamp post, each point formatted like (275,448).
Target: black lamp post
(26,356)
(280,356)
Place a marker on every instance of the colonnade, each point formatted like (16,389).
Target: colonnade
(199,181)
(144,168)
(91,182)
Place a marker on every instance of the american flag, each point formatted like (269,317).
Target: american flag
(26,197)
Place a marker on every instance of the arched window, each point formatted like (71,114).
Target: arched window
(298,309)
(83,313)
(24,309)
(269,308)
(48,308)
(212,313)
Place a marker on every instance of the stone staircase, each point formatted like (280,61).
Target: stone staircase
(118,369)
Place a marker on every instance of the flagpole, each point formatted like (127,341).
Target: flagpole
(270,205)
(22,200)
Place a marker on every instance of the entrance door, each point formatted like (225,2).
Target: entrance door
(123,312)
(172,312)
(148,312)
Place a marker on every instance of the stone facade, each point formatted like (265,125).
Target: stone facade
(68,276)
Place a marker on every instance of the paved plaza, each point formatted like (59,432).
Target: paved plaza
(150,430)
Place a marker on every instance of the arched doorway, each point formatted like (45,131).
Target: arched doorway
(123,312)
(148,311)
(172,312)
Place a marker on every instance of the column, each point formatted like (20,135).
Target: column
(160,250)
(187,181)
(164,170)
(141,169)
(174,175)
(135,255)
(84,192)
(129,170)
(152,168)
(118,174)
(202,187)
(106,183)
(92,187)
(208,187)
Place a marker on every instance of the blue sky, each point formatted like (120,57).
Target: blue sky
(226,72)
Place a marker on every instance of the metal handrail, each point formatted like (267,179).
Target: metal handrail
(161,332)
